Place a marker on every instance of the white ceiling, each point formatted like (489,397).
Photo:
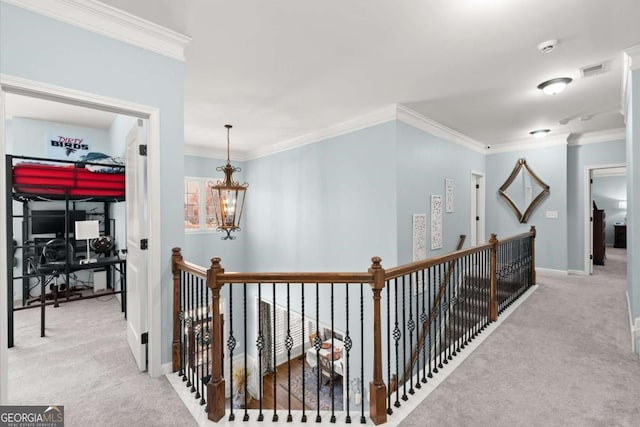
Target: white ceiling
(34,108)
(280,69)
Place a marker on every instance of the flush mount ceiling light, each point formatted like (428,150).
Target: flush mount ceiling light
(554,86)
(228,198)
(539,133)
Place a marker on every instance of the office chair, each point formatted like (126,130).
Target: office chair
(52,262)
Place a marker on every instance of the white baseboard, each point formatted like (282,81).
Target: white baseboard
(167,368)
(634,325)
(577,273)
(551,271)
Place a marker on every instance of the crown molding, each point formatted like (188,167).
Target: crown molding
(417,120)
(607,172)
(377,117)
(528,144)
(607,135)
(631,62)
(211,153)
(108,21)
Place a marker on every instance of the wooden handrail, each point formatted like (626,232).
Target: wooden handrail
(188,267)
(516,237)
(320,278)
(402,270)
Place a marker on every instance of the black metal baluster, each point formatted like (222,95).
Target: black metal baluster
(455,347)
(363,420)
(317,343)
(431,319)
(231,345)
(417,329)
(464,301)
(423,321)
(333,413)
(389,391)
(197,332)
(404,340)
(189,324)
(273,339)
(347,347)
(410,327)
(396,338)
(289,344)
(303,338)
(246,373)
(260,347)
(182,325)
(440,321)
(206,341)
(448,317)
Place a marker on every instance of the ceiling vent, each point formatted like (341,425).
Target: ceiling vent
(592,70)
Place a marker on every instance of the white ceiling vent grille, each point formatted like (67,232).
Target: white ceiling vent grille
(592,70)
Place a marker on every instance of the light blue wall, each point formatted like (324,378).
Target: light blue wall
(201,246)
(579,156)
(549,164)
(607,191)
(423,163)
(633,201)
(42,49)
(324,206)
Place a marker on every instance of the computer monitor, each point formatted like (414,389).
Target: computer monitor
(52,221)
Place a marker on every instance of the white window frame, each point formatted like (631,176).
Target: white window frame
(202,188)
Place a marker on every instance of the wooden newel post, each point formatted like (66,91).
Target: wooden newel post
(176,257)
(533,254)
(377,387)
(493,298)
(216,386)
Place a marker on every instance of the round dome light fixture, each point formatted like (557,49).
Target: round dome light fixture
(539,133)
(555,86)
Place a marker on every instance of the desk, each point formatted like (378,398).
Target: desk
(338,364)
(62,268)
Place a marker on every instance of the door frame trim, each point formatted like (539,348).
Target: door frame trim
(586,212)
(21,86)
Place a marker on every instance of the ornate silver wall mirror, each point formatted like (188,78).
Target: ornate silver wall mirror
(523,190)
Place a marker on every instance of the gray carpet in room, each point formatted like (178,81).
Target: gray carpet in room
(85,364)
(563,358)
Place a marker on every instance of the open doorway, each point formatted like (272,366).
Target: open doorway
(604,212)
(477,197)
(34,90)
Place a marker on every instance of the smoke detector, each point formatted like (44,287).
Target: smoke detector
(547,46)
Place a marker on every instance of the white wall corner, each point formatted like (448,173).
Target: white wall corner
(114,23)
(417,120)
(631,61)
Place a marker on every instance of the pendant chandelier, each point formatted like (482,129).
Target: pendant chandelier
(228,198)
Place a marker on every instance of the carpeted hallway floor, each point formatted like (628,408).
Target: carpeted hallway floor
(563,358)
(85,364)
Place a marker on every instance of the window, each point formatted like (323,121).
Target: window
(199,207)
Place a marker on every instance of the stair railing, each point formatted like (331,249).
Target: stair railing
(423,314)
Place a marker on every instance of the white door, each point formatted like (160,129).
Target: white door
(136,178)
(590,215)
